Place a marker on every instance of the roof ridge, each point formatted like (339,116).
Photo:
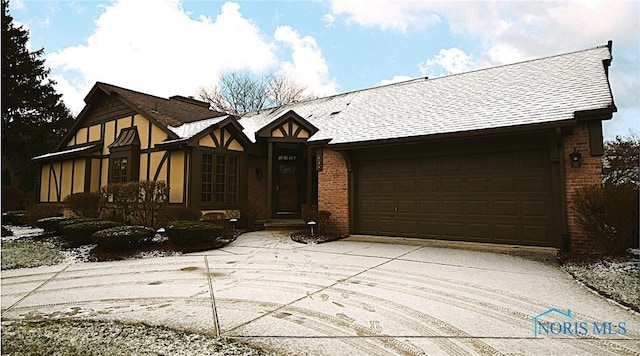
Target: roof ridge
(131,90)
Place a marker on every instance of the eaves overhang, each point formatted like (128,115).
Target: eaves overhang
(458,135)
(80,151)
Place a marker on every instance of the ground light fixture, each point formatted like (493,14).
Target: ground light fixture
(311,224)
(233,222)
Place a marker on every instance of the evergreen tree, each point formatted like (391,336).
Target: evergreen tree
(34,118)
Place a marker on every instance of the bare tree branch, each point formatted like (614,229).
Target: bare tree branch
(239,92)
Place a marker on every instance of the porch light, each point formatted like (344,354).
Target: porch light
(576,159)
(311,225)
(233,222)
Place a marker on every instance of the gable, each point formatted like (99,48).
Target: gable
(289,126)
(221,138)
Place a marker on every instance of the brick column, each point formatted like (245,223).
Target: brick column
(575,178)
(333,190)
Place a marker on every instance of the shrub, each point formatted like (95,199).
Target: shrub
(175,213)
(15,217)
(81,232)
(12,198)
(193,231)
(137,201)
(54,223)
(40,211)
(609,215)
(85,205)
(123,237)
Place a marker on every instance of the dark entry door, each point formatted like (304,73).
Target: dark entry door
(286,185)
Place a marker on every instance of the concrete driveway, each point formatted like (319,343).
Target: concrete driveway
(355,296)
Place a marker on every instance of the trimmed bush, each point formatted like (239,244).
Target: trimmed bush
(81,232)
(40,211)
(15,217)
(123,237)
(85,205)
(55,223)
(193,231)
(176,213)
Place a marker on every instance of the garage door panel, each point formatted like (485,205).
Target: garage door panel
(428,185)
(452,207)
(478,207)
(535,209)
(475,185)
(428,206)
(535,233)
(480,230)
(508,208)
(367,206)
(505,184)
(385,186)
(492,197)
(452,185)
(367,186)
(534,184)
(454,230)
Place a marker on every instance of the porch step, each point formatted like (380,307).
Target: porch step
(285,224)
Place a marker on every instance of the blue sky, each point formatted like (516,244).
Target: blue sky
(169,47)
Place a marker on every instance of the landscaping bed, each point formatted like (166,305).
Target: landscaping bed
(305,237)
(35,246)
(615,277)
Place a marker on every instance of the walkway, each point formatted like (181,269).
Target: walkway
(352,296)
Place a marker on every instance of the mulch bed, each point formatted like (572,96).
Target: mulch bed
(159,246)
(305,237)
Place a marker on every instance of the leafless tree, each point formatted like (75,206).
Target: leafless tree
(240,92)
(284,90)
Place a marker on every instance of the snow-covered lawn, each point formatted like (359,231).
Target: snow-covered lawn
(618,279)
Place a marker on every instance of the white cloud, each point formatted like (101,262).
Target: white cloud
(511,31)
(389,15)
(447,61)
(160,51)
(395,79)
(307,66)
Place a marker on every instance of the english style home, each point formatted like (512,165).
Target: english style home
(493,155)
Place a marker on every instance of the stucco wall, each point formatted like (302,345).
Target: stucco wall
(333,190)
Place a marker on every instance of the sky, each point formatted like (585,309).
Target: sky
(177,47)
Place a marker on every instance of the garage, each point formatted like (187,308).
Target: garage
(489,192)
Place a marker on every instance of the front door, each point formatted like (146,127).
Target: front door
(286,185)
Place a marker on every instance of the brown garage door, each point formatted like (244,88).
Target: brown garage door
(490,197)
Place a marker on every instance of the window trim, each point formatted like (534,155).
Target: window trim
(211,179)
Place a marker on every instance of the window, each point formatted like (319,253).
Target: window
(207,178)
(119,172)
(219,179)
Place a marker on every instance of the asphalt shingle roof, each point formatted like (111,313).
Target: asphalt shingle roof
(538,91)
(174,111)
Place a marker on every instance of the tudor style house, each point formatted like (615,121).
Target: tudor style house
(493,155)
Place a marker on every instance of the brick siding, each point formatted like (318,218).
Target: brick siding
(333,190)
(575,178)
